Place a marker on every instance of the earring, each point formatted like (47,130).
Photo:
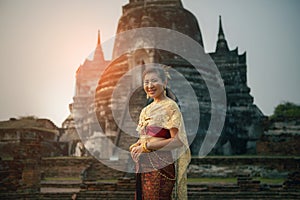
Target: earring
(165,91)
(147,96)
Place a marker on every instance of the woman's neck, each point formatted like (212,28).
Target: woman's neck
(160,98)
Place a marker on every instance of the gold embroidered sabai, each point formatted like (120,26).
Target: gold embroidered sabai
(166,114)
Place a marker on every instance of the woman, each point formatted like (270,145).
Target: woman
(162,141)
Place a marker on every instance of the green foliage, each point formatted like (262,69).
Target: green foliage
(209,180)
(286,110)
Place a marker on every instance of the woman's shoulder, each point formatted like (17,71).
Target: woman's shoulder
(171,104)
(167,103)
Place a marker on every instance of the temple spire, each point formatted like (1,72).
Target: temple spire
(221,32)
(222,45)
(98,54)
(98,43)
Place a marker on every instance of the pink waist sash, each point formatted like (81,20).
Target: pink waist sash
(156,131)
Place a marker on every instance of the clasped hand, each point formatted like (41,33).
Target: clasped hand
(135,151)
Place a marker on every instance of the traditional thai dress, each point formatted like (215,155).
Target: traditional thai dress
(159,171)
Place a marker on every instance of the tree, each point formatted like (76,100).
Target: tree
(286,110)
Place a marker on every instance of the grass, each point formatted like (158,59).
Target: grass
(62,179)
(234,180)
(7,158)
(212,180)
(271,180)
(246,156)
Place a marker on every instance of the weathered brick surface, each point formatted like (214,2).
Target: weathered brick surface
(283,144)
(23,172)
(281,137)
(293,181)
(10,175)
(88,167)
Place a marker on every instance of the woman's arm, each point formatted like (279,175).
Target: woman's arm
(166,144)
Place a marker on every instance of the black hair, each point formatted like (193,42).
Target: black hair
(157,70)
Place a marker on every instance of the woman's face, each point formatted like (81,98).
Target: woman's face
(153,86)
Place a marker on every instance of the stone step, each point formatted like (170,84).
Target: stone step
(120,195)
(61,184)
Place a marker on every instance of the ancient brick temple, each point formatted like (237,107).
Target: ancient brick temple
(22,144)
(243,125)
(243,119)
(79,122)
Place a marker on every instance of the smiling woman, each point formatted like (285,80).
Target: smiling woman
(162,135)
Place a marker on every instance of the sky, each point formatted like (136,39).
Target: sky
(43,42)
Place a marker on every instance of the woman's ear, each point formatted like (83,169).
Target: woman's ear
(165,83)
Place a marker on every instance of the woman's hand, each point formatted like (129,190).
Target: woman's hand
(136,152)
(134,145)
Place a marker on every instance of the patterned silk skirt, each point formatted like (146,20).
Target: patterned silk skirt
(155,176)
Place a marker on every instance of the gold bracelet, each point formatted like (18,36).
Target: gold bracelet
(145,149)
(132,146)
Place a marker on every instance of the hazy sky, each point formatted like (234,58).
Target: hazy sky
(43,42)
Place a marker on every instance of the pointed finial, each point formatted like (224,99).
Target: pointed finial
(98,54)
(98,37)
(222,45)
(220,27)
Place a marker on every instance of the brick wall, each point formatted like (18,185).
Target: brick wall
(283,144)
(23,172)
(75,166)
